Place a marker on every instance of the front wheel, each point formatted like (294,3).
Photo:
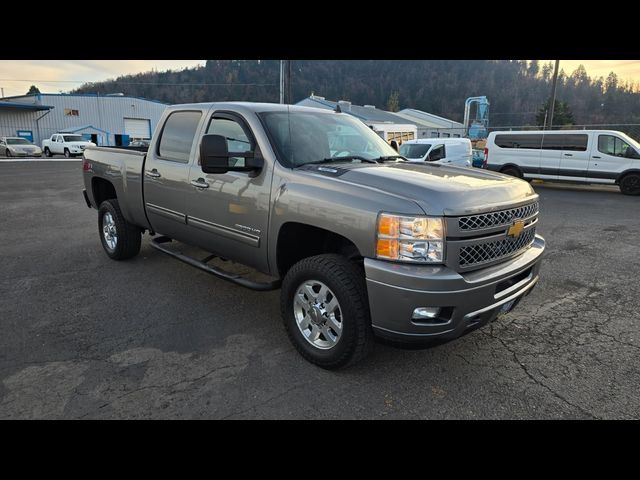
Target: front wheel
(67,153)
(119,238)
(630,184)
(8,153)
(512,171)
(47,153)
(325,310)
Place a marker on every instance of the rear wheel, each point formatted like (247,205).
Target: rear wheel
(67,153)
(8,153)
(630,184)
(119,238)
(325,310)
(513,171)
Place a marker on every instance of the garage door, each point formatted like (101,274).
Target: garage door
(137,127)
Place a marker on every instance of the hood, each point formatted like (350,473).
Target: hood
(440,189)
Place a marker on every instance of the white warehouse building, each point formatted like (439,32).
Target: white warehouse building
(113,119)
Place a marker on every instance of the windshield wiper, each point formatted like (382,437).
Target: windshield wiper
(346,158)
(391,157)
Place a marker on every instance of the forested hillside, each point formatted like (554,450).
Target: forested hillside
(517,89)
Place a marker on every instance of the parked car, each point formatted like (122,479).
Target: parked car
(65,144)
(584,156)
(456,151)
(140,143)
(361,242)
(18,147)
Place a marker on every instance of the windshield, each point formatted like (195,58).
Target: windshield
(73,138)
(301,137)
(414,150)
(17,141)
(631,142)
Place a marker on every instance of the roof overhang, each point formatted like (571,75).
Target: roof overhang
(84,127)
(24,106)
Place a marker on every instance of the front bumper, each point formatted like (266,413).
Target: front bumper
(26,154)
(467,300)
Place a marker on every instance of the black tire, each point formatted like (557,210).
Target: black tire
(630,184)
(346,280)
(513,171)
(47,152)
(8,153)
(129,236)
(67,153)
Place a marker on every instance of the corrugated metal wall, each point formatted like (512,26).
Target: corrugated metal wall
(102,112)
(12,120)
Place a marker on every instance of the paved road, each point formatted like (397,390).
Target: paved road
(82,336)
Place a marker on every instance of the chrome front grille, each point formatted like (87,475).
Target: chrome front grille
(496,219)
(480,253)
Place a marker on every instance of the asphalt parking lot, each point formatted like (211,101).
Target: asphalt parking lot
(82,336)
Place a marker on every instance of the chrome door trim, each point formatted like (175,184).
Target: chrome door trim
(165,212)
(223,231)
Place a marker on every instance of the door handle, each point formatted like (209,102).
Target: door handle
(595,157)
(568,154)
(200,183)
(152,173)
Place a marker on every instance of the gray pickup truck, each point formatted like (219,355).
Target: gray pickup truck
(361,242)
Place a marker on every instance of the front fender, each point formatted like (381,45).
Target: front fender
(339,207)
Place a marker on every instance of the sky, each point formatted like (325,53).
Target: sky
(55,75)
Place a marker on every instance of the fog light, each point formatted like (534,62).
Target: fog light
(425,313)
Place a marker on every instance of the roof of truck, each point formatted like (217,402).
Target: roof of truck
(251,106)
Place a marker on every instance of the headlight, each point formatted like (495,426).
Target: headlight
(410,239)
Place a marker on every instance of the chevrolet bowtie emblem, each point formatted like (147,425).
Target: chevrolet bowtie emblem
(515,229)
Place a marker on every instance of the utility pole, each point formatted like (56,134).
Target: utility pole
(553,94)
(289,95)
(2,92)
(281,81)
(285,81)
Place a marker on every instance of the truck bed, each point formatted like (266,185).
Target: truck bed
(123,168)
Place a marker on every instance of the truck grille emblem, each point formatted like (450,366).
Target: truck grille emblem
(515,229)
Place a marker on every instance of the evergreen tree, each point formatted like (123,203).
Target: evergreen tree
(562,114)
(393,103)
(33,90)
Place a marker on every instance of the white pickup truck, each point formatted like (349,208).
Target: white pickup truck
(65,144)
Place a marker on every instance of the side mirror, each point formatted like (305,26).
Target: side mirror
(215,158)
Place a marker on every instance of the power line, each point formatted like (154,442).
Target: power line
(140,83)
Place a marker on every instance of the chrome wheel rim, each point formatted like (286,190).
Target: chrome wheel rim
(109,231)
(318,314)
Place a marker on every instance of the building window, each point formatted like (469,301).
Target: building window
(71,112)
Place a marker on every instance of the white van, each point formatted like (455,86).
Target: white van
(586,156)
(454,151)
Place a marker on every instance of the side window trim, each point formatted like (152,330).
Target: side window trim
(240,120)
(225,114)
(195,135)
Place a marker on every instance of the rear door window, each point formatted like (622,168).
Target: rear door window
(177,136)
(571,142)
(532,141)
